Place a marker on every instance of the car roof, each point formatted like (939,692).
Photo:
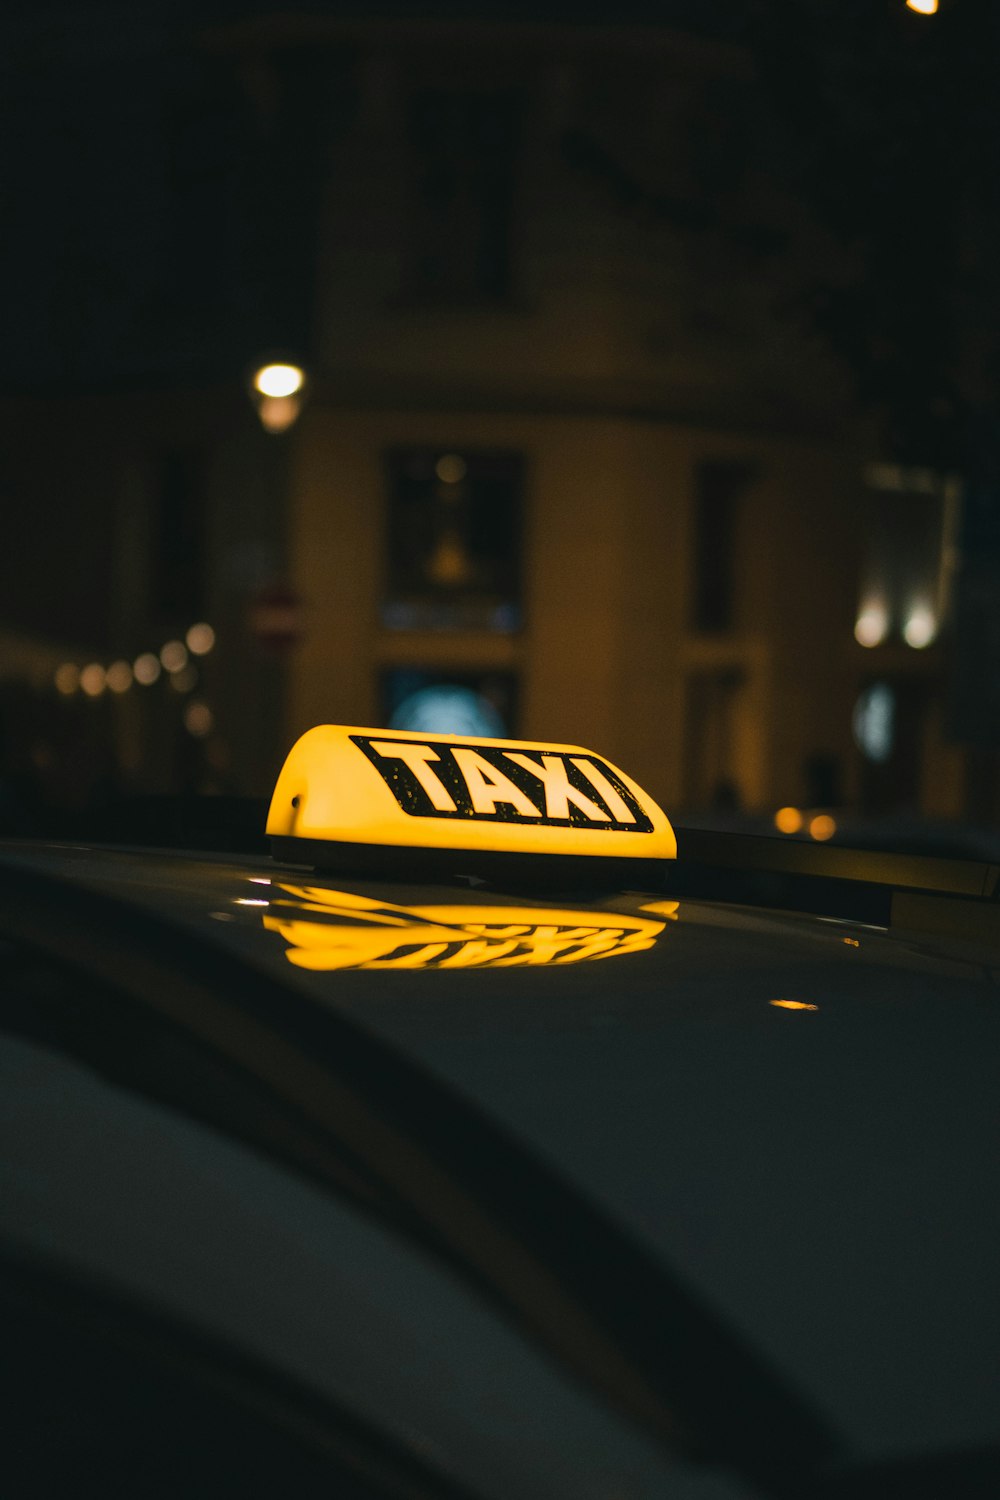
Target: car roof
(794,1114)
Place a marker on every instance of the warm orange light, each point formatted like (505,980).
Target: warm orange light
(852,942)
(450,468)
(93,680)
(68,678)
(788,820)
(793,1005)
(146,668)
(923,7)
(198,719)
(278,380)
(174,656)
(379,787)
(119,677)
(200,639)
(668,909)
(278,413)
(822,827)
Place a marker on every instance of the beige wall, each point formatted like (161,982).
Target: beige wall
(606,656)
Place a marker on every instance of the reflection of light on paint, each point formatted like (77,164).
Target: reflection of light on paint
(920,627)
(788,820)
(67,678)
(448,709)
(93,679)
(852,942)
(666,909)
(200,639)
(872,624)
(250,901)
(874,722)
(822,827)
(327,930)
(793,1005)
(146,668)
(259,879)
(451,469)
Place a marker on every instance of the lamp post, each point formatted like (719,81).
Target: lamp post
(276,385)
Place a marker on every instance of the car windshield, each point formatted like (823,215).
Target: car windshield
(615,378)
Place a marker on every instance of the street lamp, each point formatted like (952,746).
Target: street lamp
(923,7)
(277,389)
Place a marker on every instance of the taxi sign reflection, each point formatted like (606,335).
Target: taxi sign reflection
(328,930)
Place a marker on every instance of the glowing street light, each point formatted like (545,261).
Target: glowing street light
(278,380)
(277,390)
(923,7)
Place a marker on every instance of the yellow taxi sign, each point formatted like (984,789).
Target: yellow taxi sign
(344,790)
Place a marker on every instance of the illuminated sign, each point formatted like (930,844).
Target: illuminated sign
(464,781)
(368,787)
(328,930)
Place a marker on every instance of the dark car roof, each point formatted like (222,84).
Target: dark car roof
(795,1114)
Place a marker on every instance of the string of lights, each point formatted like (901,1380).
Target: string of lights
(175,660)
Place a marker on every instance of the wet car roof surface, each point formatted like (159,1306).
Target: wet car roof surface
(822,1171)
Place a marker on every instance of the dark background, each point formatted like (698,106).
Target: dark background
(168,172)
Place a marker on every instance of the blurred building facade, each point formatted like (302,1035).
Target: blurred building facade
(564,444)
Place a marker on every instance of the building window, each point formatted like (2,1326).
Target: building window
(904,580)
(464,146)
(454,540)
(719,490)
(433,702)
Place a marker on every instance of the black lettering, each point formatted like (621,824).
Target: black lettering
(448,785)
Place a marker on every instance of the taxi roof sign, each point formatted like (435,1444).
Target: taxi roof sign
(347,797)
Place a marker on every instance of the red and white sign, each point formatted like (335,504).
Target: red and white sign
(275,617)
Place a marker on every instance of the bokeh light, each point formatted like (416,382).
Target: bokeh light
(278,380)
(93,679)
(198,719)
(119,677)
(200,639)
(277,413)
(788,820)
(872,624)
(920,627)
(822,827)
(174,656)
(67,678)
(451,469)
(146,668)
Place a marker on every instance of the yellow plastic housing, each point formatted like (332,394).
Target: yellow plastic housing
(378,787)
